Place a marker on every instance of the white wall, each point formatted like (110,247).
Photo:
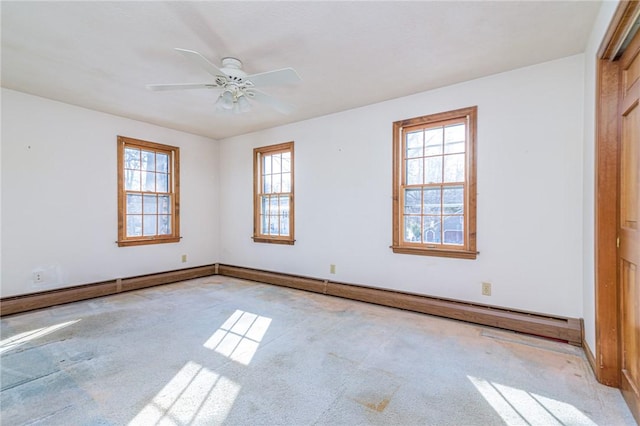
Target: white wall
(530,190)
(59,197)
(600,27)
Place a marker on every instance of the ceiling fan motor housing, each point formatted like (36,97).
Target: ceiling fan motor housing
(232,67)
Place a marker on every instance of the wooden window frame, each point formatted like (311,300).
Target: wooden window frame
(258,154)
(174,192)
(468,249)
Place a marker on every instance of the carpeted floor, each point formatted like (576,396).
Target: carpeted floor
(223,351)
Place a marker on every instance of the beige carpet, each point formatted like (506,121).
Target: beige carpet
(224,351)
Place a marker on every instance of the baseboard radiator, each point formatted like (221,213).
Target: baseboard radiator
(560,328)
(45,299)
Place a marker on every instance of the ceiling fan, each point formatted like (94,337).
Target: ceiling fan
(237,86)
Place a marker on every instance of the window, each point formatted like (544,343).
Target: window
(273,194)
(434,185)
(148,192)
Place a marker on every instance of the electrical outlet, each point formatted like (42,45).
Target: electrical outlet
(486,289)
(332,269)
(184,258)
(38,276)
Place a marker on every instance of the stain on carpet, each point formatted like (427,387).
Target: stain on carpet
(379,407)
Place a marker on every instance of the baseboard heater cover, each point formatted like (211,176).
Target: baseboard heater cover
(45,299)
(561,328)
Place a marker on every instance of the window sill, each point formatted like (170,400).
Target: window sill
(457,254)
(141,242)
(273,241)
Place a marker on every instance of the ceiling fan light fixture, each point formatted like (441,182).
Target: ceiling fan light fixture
(243,103)
(225,101)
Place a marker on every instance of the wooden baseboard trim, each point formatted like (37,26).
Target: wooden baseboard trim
(590,357)
(561,328)
(45,299)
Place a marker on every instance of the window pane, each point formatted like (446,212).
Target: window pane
(432,231)
(284,205)
(132,180)
(284,215)
(433,169)
(149,205)
(412,228)
(414,144)
(414,139)
(266,183)
(412,200)
(164,204)
(273,206)
(148,181)
(286,162)
(164,225)
(286,182)
(150,223)
(134,225)
(266,165)
(162,182)
(276,163)
(162,163)
(273,225)
(433,141)
(454,137)
(149,161)
(264,205)
(131,158)
(284,225)
(454,168)
(134,204)
(276,182)
(273,216)
(431,201)
(264,223)
(414,171)
(454,200)
(453,230)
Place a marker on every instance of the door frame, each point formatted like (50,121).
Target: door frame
(607,163)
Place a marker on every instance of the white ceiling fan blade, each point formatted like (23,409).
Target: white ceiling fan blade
(269,100)
(276,77)
(181,86)
(202,61)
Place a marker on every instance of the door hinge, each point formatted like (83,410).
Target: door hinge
(618,242)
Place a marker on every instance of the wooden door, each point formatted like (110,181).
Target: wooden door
(629,232)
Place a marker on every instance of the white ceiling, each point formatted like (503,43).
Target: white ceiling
(100,55)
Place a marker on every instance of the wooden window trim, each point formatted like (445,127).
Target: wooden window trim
(257,183)
(468,250)
(174,184)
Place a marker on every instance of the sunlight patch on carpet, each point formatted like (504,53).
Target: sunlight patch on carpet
(22,338)
(239,337)
(194,395)
(519,407)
